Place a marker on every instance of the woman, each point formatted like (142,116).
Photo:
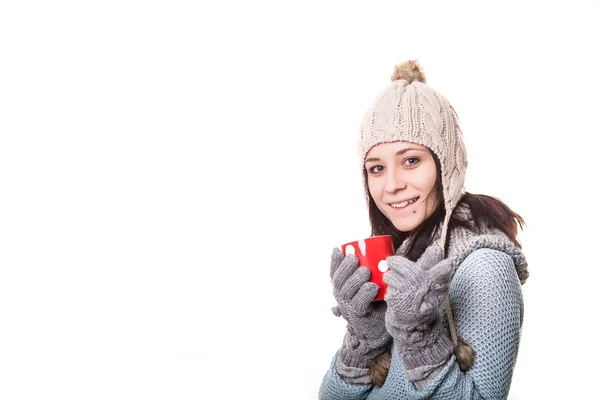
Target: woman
(450,324)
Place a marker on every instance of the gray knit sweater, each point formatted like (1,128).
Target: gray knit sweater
(486,300)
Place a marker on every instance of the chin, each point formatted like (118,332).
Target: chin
(405,227)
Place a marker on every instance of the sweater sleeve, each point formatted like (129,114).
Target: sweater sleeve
(334,388)
(488,311)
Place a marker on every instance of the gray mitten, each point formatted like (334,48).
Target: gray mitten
(415,297)
(366,336)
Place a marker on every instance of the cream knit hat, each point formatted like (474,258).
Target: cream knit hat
(410,110)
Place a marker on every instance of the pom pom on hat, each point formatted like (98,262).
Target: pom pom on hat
(412,111)
(418,114)
(409,71)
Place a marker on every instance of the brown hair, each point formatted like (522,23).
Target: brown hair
(486,211)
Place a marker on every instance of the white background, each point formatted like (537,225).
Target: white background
(174,176)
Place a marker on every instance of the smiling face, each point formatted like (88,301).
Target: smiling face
(401,177)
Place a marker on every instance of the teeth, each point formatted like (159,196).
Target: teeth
(403,204)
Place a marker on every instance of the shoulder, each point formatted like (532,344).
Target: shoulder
(486,262)
(486,268)
(487,280)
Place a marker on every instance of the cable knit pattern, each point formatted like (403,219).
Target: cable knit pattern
(415,294)
(488,310)
(463,242)
(415,112)
(485,292)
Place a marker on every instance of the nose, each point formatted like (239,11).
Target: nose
(394,181)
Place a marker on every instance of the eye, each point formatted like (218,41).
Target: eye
(415,161)
(375,169)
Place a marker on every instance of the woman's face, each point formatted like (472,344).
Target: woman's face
(398,172)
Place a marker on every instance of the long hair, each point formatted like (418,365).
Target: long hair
(486,211)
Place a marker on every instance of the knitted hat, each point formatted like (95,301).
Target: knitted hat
(410,110)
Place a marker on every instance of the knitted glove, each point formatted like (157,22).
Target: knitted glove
(415,297)
(366,336)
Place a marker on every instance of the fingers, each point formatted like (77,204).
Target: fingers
(336,259)
(402,272)
(354,283)
(346,268)
(399,262)
(361,302)
(440,275)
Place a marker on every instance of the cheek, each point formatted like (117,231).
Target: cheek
(429,186)
(375,190)
(427,179)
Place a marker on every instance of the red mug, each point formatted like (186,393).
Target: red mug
(372,253)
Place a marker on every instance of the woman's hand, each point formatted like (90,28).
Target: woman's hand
(366,336)
(416,290)
(415,296)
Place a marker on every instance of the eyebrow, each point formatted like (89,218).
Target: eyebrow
(398,153)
